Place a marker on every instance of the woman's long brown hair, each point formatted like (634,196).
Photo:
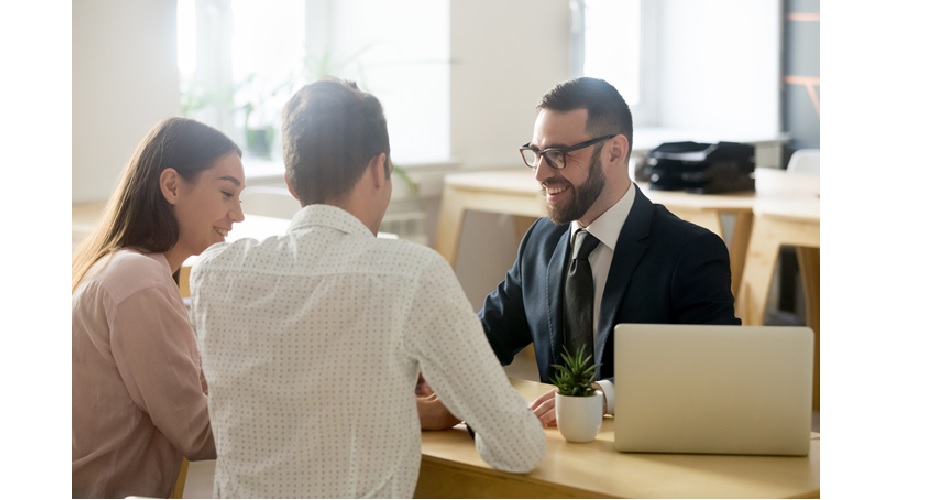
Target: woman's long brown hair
(137,215)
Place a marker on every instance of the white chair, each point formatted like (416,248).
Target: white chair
(804,161)
(800,179)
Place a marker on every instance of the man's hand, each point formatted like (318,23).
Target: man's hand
(433,415)
(543,407)
(422,387)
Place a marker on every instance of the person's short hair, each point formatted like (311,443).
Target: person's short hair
(608,113)
(331,130)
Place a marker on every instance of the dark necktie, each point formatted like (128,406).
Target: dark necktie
(578,295)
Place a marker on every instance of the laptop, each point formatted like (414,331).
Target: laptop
(713,389)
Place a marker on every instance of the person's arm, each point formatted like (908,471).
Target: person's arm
(446,338)
(156,355)
(701,291)
(503,312)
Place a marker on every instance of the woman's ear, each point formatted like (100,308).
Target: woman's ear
(169,183)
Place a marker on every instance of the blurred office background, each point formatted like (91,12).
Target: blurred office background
(459,80)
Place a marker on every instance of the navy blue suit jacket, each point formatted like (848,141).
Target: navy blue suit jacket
(664,270)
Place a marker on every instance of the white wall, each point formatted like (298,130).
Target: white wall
(717,55)
(124,80)
(720,67)
(505,56)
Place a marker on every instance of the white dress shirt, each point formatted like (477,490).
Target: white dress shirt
(606,228)
(311,344)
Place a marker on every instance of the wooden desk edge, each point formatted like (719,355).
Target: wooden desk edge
(480,482)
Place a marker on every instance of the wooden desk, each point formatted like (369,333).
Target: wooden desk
(515,192)
(451,468)
(785,221)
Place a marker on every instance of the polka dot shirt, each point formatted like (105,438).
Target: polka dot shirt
(311,344)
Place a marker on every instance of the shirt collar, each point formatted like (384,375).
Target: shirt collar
(606,227)
(328,216)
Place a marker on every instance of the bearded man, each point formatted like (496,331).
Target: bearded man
(647,265)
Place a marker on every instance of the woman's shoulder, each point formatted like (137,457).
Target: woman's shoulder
(128,271)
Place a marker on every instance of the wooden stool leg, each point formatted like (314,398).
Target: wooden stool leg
(178,491)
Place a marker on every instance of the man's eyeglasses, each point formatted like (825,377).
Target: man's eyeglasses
(556,157)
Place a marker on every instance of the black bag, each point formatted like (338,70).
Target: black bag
(703,168)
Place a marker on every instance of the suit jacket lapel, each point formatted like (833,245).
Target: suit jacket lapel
(554,286)
(629,248)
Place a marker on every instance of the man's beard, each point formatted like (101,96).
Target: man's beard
(584,195)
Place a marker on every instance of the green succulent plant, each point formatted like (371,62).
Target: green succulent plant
(575,376)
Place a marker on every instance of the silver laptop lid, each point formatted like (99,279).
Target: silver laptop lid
(713,389)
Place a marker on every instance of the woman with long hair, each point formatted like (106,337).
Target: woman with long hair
(139,399)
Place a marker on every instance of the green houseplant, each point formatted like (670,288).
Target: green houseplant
(575,376)
(577,405)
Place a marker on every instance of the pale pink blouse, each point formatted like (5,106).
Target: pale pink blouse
(138,393)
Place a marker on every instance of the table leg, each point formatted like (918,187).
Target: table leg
(762,254)
(809,270)
(450,220)
(738,249)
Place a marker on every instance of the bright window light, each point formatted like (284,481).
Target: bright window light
(254,55)
(612,42)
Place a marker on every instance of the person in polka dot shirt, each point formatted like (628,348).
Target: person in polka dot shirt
(313,341)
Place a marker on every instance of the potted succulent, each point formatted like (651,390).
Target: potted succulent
(578,407)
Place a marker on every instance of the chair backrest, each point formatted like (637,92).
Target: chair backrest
(272,201)
(804,161)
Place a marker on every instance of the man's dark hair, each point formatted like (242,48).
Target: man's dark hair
(331,130)
(608,111)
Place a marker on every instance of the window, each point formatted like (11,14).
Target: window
(609,41)
(240,60)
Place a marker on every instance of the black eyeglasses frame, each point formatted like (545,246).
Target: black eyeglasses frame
(563,150)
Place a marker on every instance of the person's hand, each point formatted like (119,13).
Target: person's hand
(433,414)
(422,387)
(543,407)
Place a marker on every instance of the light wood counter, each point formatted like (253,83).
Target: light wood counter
(516,193)
(451,468)
(784,222)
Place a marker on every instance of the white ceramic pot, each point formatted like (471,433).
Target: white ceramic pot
(579,418)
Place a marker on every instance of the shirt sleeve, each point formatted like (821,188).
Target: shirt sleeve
(609,393)
(448,341)
(157,357)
